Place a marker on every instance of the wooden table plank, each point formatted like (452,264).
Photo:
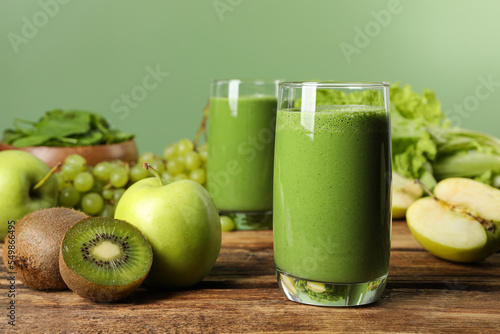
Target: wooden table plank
(423,294)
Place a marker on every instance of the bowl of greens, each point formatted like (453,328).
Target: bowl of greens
(59,133)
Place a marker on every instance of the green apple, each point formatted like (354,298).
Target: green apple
(460,223)
(182,225)
(19,173)
(404,192)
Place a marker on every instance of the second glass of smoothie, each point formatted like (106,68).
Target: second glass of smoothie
(332,200)
(242,119)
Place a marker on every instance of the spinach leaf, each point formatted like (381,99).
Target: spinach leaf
(59,124)
(64,128)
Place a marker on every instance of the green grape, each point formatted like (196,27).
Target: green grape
(92,203)
(138,173)
(170,151)
(158,165)
(184,146)
(146,157)
(69,197)
(198,175)
(65,185)
(108,211)
(119,177)
(69,171)
(107,194)
(203,154)
(180,176)
(175,166)
(226,224)
(167,177)
(192,160)
(102,170)
(61,183)
(75,159)
(98,186)
(83,182)
(117,194)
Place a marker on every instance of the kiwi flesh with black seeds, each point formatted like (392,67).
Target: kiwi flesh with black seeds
(34,250)
(104,259)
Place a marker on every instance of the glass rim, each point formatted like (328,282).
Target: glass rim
(335,84)
(247,81)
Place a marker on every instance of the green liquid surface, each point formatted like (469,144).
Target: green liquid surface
(241,152)
(332,220)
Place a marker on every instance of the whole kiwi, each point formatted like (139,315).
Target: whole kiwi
(34,249)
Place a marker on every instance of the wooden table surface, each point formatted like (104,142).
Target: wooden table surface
(423,294)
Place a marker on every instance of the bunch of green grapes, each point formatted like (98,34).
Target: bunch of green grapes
(184,161)
(95,190)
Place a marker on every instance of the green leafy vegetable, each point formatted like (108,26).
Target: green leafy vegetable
(465,153)
(426,146)
(64,128)
(412,146)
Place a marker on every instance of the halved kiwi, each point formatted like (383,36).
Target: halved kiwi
(104,259)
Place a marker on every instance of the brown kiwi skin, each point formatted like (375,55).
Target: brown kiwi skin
(38,238)
(96,292)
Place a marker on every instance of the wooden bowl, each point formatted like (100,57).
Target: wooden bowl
(126,151)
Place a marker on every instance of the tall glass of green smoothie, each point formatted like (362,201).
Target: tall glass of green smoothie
(332,199)
(242,119)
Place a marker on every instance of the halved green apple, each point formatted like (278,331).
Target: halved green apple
(460,223)
(404,192)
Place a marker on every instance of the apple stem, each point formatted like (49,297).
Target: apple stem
(423,186)
(203,126)
(153,171)
(46,177)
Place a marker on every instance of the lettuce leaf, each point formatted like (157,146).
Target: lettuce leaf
(412,146)
(466,153)
(425,146)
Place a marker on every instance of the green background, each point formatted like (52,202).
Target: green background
(87,54)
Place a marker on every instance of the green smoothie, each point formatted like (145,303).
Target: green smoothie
(332,215)
(241,153)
